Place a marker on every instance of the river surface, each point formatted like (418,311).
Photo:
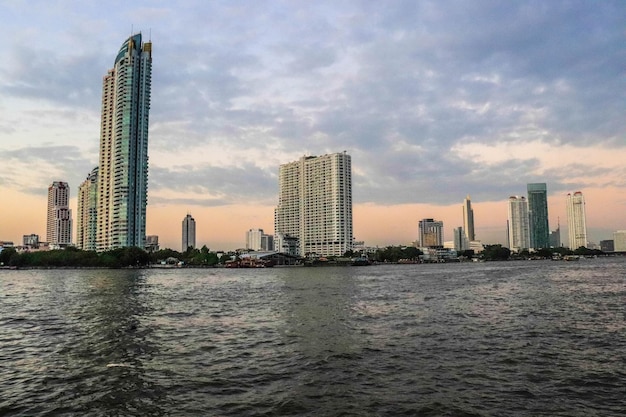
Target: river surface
(534,338)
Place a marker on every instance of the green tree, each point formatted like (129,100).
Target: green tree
(225,258)
(496,253)
(6,254)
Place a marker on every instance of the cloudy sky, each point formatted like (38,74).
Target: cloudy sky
(433,100)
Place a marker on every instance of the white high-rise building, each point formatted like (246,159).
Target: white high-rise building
(123,165)
(86,219)
(619,241)
(576,220)
(468,219)
(519,224)
(315,204)
(59,216)
(189,233)
(254,239)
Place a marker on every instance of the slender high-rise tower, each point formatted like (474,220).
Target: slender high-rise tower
(518,224)
(315,204)
(59,218)
(576,223)
(468,219)
(86,220)
(189,233)
(538,212)
(123,166)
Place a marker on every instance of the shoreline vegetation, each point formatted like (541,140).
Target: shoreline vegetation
(134,257)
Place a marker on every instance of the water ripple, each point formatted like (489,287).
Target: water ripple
(494,339)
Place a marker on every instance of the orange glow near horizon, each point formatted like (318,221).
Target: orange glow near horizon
(224,227)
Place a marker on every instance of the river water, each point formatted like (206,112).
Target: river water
(534,338)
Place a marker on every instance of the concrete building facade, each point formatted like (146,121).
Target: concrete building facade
(59,215)
(430,233)
(518,224)
(576,220)
(86,218)
(619,241)
(315,204)
(188,233)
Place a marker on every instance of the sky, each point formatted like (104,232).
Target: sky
(433,100)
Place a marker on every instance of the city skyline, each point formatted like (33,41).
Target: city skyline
(433,102)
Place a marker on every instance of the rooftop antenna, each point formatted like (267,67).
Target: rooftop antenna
(150,35)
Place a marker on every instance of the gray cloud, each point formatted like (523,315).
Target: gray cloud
(215,186)
(70,162)
(397,85)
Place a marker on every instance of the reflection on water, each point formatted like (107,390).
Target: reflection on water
(91,343)
(319,304)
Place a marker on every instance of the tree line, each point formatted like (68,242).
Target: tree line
(115,258)
(138,257)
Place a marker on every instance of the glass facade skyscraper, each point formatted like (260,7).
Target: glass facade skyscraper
(538,212)
(123,163)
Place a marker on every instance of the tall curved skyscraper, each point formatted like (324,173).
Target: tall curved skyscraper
(123,164)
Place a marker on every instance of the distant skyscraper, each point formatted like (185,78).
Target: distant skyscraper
(123,166)
(576,220)
(460,240)
(189,232)
(609,245)
(468,219)
(555,237)
(430,233)
(518,224)
(86,219)
(267,242)
(253,239)
(59,219)
(257,240)
(315,205)
(32,240)
(538,212)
